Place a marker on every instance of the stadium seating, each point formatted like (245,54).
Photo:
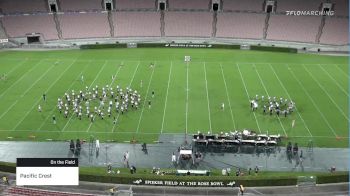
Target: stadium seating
(341,7)
(75,5)
(22,191)
(243,5)
(84,25)
(293,28)
(2,32)
(19,26)
(296,5)
(137,24)
(189,4)
(335,31)
(23,6)
(240,25)
(135,4)
(188,24)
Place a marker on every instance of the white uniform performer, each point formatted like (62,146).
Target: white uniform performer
(255,105)
(39,108)
(97,146)
(223,106)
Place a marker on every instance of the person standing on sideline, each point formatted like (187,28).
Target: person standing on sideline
(126,159)
(173,159)
(256,170)
(54,119)
(241,189)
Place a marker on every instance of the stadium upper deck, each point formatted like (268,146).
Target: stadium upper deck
(236,19)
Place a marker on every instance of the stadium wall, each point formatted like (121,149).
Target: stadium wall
(76,43)
(302,47)
(87,174)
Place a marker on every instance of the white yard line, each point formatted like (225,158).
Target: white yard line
(8,109)
(69,88)
(132,79)
(341,71)
(133,75)
(284,88)
(34,66)
(326,92)
(313,102)
(22,95)
(228,97)
(261,81)
(36,81)
(144,102)
(206,88)
(15,67)
(245,87)
(186,110)
(98,74)
(115,76)
(335,81)
(36,103)
(47,117)
(166,97)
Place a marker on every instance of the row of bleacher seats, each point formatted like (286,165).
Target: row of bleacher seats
(181,24)
(240,25)
(88,25)
(73,5)
(335,31)
(248,5)
(293,28)
(14,6)
(23,191)
(286,5)
(188,24)
(2,32)
(137,24)
(19,26)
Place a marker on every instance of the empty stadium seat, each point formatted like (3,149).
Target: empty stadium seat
(293,28)
(341,7)
(297,5)
(335,31)
(240,25)
(243,5)
(23,6)
(188,24)
(19,26)
(189,4)
(84,25)
(23,191)
(135,4)
(133,24)
(75,5)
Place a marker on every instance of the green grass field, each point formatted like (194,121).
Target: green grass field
(188,98)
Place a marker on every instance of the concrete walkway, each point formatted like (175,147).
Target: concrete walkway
(159,155)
